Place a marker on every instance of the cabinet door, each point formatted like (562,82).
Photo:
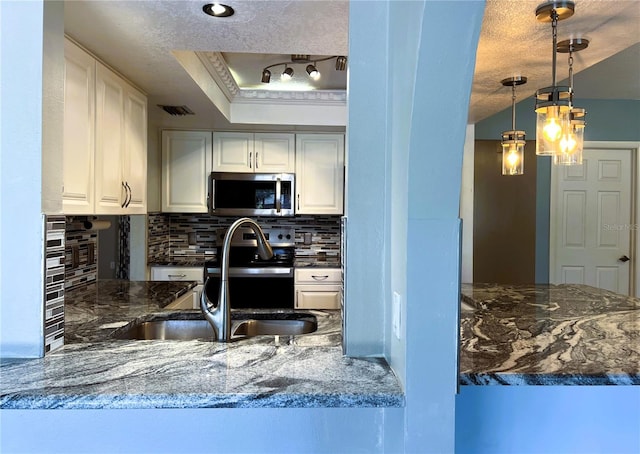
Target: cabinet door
(135,156)
(318,297)
(233,152)
(186,163)
(79,130)
(274,152)
(319,173)
(110,190)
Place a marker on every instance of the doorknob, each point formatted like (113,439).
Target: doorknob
(624,258)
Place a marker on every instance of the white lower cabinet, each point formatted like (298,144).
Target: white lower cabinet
(190,300)
(318,288)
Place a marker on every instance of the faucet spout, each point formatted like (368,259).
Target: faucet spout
(220,316)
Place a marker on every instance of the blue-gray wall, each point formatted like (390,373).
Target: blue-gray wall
(607,120)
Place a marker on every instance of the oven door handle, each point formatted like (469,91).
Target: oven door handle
(253,272)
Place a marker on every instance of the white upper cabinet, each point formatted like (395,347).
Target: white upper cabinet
(79,130)
(319,173)
(248,152)
(186,163)
(274,152)
(111,192)
(134,170)
(105,145)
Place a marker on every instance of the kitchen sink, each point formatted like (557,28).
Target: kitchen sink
(242,326)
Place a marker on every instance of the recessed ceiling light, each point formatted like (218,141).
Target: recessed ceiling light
(218,10)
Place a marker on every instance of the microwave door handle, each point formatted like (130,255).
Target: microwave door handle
(210,197)
(278,191)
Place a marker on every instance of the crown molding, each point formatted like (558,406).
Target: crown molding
(219,70)
(317,97)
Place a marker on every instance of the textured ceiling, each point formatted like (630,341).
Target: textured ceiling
(137,38)
(513,42)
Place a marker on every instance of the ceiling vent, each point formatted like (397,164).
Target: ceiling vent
(177,110)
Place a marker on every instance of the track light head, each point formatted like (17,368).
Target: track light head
(266,76)
(313,72)
(287,74)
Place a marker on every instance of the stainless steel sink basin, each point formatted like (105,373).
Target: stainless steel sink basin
(277,324)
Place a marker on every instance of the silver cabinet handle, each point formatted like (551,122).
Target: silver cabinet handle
(256,159)
(126,194)
(126,183)
(320,278)
(250,160)
(179,276)
(298,202)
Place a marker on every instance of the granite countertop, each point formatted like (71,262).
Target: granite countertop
(315,261)
(548,335)
(93,370)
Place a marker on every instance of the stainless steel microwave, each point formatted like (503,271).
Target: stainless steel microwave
(251,194)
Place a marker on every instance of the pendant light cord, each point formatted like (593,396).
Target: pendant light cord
(513,107)
(554,27)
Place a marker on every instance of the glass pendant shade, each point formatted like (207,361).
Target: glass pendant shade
(553,108)
(572,142)
(513,152)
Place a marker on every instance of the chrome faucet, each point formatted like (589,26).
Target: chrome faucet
(220,316)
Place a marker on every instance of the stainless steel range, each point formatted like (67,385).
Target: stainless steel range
(253,282)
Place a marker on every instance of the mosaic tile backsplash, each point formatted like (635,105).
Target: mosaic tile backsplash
(191,238)
(54,283)
(81,257)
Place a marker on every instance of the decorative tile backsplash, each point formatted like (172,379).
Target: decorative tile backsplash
(81,257)
(189,238)
(54,269)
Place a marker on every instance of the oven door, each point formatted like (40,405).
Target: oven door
(254,288)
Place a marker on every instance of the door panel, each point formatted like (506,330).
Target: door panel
(591,220)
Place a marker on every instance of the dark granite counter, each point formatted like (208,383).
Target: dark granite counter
(94,370)
(548,335)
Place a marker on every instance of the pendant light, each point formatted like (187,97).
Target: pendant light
(572,142)
(553,104)
(513,141)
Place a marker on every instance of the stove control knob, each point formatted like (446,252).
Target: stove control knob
(280,236)
(288,236)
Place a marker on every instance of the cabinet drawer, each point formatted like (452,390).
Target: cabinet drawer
(318,296)
(176,273)
(318,275)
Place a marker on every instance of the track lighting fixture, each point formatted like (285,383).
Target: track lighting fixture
(311,67)
(513,141)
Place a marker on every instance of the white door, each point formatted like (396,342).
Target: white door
(591,220)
